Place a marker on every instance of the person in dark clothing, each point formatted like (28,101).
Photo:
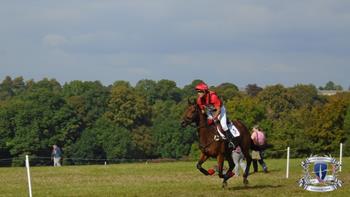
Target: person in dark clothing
(258,156)
(258,138)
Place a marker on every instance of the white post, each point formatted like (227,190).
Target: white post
(28,175)
(287,170)
(340,155)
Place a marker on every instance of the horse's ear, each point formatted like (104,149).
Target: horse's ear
(190,101)
(194,102)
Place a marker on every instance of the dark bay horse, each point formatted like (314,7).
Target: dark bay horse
(211,145)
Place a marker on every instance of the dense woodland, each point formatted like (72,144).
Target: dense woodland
(92,121)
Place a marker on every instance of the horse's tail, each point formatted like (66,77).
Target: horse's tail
(244,132)
(254,147)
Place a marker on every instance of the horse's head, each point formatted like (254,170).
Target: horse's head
(191,114)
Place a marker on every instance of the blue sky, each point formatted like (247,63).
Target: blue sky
(241,42)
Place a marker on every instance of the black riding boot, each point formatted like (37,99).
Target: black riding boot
(232,141)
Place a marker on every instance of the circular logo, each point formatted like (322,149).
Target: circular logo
(323,177)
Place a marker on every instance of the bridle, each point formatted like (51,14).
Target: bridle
(192,119)
(216,138)
(189,120)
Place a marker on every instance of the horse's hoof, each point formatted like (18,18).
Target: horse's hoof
(224,185)
(245,182)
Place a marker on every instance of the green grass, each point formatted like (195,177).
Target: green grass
(158,179)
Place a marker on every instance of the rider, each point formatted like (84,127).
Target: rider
(210,103)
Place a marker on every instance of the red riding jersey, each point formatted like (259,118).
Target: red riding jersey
(209,99)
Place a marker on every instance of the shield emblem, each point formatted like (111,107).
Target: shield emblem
(320,170)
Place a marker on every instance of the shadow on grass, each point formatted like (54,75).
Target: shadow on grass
(251,187)
(269,171)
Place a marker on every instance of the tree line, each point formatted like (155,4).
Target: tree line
(92,121)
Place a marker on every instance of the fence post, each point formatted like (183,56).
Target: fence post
(340,155)
(287,170)
(28,175)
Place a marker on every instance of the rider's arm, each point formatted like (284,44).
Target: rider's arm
(217,104)
(201,106)
(217,112)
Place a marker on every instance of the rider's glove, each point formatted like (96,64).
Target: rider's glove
(216,121)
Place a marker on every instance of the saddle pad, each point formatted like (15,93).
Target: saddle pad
(233,130)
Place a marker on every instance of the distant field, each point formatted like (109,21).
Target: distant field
(158,179)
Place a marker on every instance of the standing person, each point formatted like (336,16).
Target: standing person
(259,140)
(209,103)
(56,155)
(238,159)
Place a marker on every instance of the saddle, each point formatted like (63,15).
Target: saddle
(231,128)
(219,130)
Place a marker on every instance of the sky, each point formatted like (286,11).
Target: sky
(236,41)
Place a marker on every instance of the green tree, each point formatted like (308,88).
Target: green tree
(276,99)
(115,140)
(167,90)
(347,132)
(288,131)
(253,90)
(126,107)
(324,128)
(303,95)
(148,89)
(144,145)
(87,99)
(39,118)
(6,88)
(172,140)
(88,148)
(330,85)
(7,130)
(247,109)
(226,91)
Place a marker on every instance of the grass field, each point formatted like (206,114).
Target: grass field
(158,179)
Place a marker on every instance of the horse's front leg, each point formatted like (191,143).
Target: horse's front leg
(202,159)
(220,159)
(231,165)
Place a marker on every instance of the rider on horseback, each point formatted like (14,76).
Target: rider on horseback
(210,103)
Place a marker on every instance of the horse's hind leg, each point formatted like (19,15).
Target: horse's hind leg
(246,172)
(202,159)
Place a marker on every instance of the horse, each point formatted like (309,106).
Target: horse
(212,145)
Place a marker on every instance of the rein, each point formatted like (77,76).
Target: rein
(203,147)
(215,138)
